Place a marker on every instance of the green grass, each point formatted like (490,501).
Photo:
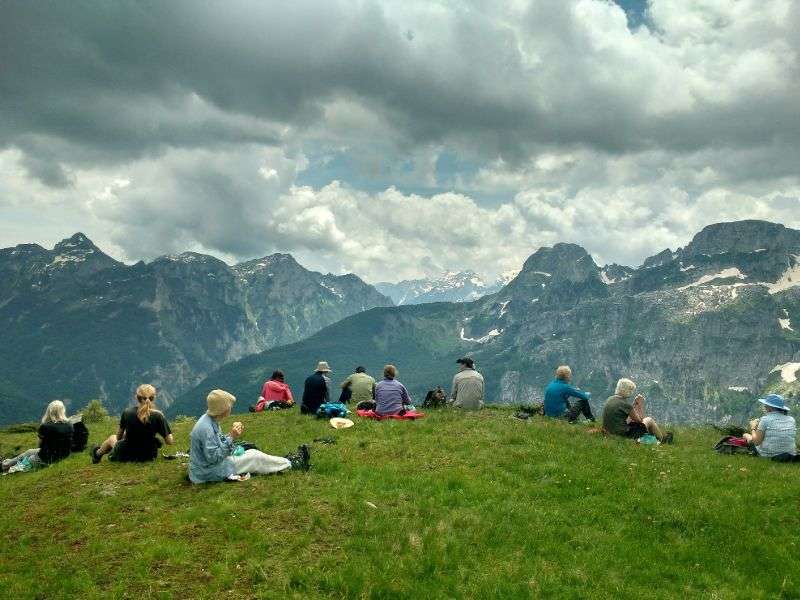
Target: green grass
(468,506)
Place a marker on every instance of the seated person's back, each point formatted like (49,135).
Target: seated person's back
(391,396)
(780,434)
(55,441)
(140,442)
(361,386)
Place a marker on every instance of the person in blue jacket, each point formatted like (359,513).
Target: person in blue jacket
(556,394)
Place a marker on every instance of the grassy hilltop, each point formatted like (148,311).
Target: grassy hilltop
(466,506)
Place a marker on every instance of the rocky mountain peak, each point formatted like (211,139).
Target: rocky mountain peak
(78,251)
(563,261)
(268,264)
(75,243)
(662,258)
(743,236)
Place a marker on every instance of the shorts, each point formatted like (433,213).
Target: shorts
(636,430)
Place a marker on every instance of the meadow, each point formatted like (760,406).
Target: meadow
(478,505)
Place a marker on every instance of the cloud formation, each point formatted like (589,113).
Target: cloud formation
(394,140)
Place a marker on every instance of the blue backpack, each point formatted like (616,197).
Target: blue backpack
(332,409)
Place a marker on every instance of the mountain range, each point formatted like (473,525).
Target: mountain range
(78,324)
(701,329)
(450,286)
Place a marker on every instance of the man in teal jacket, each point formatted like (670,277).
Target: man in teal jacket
(558,391)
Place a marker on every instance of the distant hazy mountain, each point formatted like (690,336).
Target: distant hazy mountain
(78,324)
(462,286)
(702,329)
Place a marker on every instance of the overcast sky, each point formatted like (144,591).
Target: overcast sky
(396,139)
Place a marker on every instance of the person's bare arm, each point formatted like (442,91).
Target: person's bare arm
(637,412)
(757,436)
(169,440)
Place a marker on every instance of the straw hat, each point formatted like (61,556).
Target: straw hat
(323,367)
(340,423)
(219,401)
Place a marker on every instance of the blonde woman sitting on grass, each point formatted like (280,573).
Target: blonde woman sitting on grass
(55,440)
(136,439)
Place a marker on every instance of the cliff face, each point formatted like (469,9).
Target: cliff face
(79,325)
(701,329)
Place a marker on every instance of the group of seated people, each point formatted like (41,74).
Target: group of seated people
(215,456)
(772,435)
(386,397)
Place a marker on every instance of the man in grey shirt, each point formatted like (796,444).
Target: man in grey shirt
(467,386)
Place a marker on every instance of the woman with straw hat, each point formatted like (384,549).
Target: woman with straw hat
(214,456)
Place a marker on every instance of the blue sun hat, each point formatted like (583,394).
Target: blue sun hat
(774,401)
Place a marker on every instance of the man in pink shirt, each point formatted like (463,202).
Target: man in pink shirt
(274,395)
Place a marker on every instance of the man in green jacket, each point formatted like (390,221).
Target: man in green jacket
(361,388)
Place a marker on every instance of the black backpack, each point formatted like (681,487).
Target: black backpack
(80,436)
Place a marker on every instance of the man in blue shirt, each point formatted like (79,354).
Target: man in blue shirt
(556,394)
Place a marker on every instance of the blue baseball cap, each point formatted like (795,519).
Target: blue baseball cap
(775,401)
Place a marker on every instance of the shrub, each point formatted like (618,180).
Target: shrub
(94,412)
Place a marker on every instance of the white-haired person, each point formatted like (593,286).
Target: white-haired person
(624,417)
(55,440)
(776,432)
(139,425)
(214,455)
(557,394)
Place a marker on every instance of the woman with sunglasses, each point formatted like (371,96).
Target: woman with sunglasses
(136,439)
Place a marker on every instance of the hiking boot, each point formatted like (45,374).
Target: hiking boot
(93,454)
(301,460)
(251,408)
(667,438)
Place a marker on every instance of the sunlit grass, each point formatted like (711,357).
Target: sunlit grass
(468,506)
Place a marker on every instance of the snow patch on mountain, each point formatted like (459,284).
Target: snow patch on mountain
(451,286)
(788,371)
(790,278)
(724,274)
(481,340)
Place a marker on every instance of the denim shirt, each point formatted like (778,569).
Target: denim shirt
(209,457)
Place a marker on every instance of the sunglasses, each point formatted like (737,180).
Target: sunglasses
(143,398)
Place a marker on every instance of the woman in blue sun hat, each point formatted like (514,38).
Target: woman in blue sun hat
(774,433)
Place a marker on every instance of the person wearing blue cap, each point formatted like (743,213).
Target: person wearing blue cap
(774,433)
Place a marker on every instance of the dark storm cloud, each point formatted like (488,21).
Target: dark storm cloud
(115,77)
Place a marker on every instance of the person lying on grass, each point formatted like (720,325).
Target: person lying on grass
(136,439)
(775,433)
(621,417)
(391,396)
(55,440)
(557,394)
(214,457)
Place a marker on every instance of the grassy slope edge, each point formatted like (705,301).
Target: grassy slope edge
(473,505)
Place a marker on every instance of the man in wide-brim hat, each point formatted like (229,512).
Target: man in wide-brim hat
(317,389)
(775,433)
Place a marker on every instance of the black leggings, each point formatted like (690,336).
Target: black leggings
(579,406)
